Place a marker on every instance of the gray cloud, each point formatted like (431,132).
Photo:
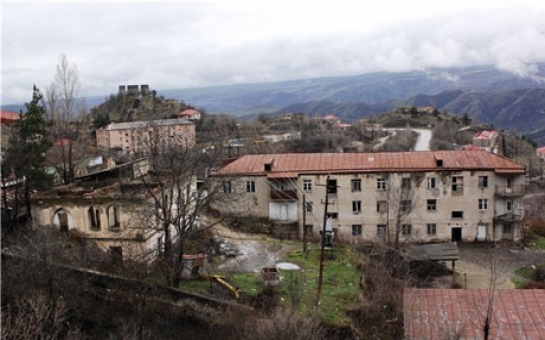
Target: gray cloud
(172,45)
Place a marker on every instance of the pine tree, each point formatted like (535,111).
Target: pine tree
(24,160)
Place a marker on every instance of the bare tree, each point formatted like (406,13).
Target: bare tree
(66,110)
(177,205)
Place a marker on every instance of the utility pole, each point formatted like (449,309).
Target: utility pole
(323,238)
(305,223)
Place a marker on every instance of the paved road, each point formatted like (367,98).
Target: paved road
(422,143)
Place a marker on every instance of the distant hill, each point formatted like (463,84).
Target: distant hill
(372,89)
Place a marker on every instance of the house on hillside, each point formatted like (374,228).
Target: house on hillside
(424,196)
(540,152)
(487,140)
(190,114)
(430,314)
(144,137)
(329,120)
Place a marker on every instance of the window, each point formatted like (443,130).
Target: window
(405,183)
(63,220)
(356,229)
(381,230)
(381,184)
(381,206)
(356,206)
(332,186)
(356,185)
(508,228)
(307,185)
(94,218)
(509,206)
(227,187)
(483,204)
(457,184)
(250,186)
(309,206)
(406,206)
(483,181)
(432,205)
(112,217)
(406,229)
(432,229)
(457,214)
(334,215)
(431,183)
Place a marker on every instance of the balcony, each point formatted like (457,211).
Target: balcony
(509,217)
(509,192)
(283,194)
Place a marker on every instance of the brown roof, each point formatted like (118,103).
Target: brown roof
(443,313)
(8,117)
(337,163)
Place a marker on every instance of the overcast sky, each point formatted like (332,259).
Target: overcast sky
(181,44)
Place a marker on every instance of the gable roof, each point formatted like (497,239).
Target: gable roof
(486,134)
(8,117)
(338,163)
(443,313)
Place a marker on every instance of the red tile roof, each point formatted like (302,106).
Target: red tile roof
(486,134)
(189,112)
(541,150)
(8,117)
(338,163)
(442,313)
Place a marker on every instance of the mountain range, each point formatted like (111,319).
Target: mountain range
(485,93)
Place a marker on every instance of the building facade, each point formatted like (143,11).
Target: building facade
(413,196)
(145,137)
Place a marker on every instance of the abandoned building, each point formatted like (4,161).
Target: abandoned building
(111,207)
(428,196)
(145,137)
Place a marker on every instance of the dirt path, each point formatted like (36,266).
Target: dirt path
(255,251)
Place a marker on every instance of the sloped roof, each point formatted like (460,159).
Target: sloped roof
(443,313)
(189,112)
(486,134)
(8,117)
(337,163)
(143,124)
(541,150)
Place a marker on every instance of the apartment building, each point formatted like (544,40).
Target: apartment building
(420,196)
(142,137)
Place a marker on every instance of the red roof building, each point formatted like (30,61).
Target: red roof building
(460,314)
(190,114)
(7,117)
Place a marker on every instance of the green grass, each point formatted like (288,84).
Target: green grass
(519,284)
(525,272)
(539,243)
(340,288)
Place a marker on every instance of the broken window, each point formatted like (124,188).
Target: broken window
(356,229)
(356,185)
(113,221)
(94,218)
(457,184)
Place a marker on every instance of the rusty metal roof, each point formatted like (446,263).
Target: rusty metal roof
(337,163)
(444,313)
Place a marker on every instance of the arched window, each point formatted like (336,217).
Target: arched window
(62,219)
(113,220)
(94,218)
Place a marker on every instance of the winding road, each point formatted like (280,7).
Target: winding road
(422,143)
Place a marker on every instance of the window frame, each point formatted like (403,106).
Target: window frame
(309,207)
(406,183)
(227,187)
(357,229)
(431,228)
(483,204)
(307,185)
(432,182)
(431,205)
(355,184)
(382,230)
(356,207)
(483,182)
(250,186)
(457,185)
(384,205)
(381,183)
(457,212)
(406,229)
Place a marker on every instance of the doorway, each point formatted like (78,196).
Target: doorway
(456,234)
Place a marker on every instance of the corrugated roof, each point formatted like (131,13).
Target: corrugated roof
(443,313)
(142,124)
(331,163)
